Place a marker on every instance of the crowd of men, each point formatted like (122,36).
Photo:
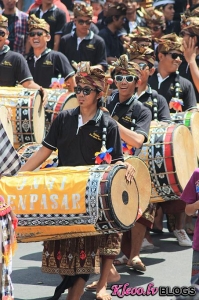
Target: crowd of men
(150,48)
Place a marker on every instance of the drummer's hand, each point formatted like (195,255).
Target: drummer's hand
(44,96)
(190,49)
(130,171)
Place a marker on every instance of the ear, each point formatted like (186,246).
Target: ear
(151,71)
(160,56)
(138,83)
(48,37)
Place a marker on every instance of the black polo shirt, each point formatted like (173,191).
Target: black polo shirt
(50,64)
(77,147)
(13,68)
(139,112)
(114,47)
(70,27)
(163,113)
(91,48)
(184,71)
(55,17)
(167,90)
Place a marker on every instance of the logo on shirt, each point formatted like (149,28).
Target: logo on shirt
(48,63)
(95,136)
(173,87)
(52,18)
(90,46)
(6,63)
(127,119)
(150,103)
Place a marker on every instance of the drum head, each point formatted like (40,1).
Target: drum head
(142,179)
(38,118)
(70,101)
(7,124)
(124,199)
(184,154)
(195,131)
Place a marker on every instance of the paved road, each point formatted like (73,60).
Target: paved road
(170,265)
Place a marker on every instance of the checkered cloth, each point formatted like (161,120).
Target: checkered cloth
(9,159)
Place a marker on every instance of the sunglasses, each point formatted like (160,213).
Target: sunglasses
(128,78)
(176,55)
(86,90)
(81,22)
(142,66)
(2,33)
(38,33)
(183,33)
(155,28)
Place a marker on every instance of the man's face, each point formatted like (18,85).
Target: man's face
(144,69)
(3,36)
(171,61)
(168,12)
(83,25)
(126,84)
(87,95)
(156,30)
(38,38)
(131,6)
(119,22)
(106,6)
(10,4)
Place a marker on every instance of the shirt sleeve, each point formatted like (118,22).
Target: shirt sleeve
(101,53)
(143,121)
(51,139)
(189,98)
(60,22)
(114,141)
(163,110)
(22,65)
(63,66)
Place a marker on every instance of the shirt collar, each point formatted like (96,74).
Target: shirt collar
(89,36)
(126,102)
(95,119)
(51,9)
(5,49)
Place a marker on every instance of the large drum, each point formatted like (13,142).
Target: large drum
(5,117)
(58,100)
(71,201)
(171,158)
(28,118)
(143,181)
(191,120)
(28,149)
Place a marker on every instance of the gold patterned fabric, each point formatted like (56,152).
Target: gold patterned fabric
(153,16)
(36,23)
(78,255)
(137,51)
(82,10)
(116,9)
(3,21)
(122,64)
(191,26)
(90,75)
(141,34)
(170,42)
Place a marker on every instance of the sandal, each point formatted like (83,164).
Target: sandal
(137,264)
(120,261)
(189,228)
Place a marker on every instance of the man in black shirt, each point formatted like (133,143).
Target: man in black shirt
(45,63)
(115,18)
(55,17)
(83,44)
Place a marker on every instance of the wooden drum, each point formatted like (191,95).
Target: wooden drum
(27,114)
(191,120)
(171,159)
(71,201)
(58,100)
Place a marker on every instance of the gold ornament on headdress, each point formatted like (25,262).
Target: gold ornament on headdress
(36,23)
(169,42)
(137,51)
(191,25)
(82,10)
(154,16)
(90,75)
(3,21)
(122,64)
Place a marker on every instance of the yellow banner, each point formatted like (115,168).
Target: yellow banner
(48,191)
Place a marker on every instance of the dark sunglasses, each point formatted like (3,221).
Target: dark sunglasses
(81,22)
(128,78)
(38,33)
(176,55)
(86,90)
(155,28)
(2,33)
(183,33)
(142,66)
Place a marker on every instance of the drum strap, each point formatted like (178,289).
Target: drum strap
(177,85)
(153,95)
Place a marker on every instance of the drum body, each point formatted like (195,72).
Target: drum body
(27,114)
(58,100)
(191,120)
(71,201)
(143,180)
(28,149)
(5,117)
(171,158)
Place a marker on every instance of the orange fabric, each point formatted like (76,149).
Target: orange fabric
(57,3)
